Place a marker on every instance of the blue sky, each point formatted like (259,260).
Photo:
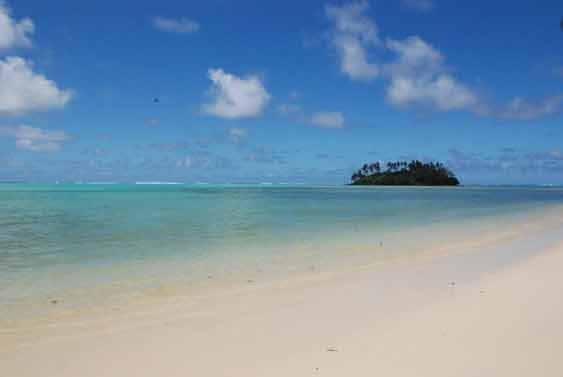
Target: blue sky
(253,91)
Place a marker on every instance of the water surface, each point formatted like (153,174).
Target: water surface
(81,243)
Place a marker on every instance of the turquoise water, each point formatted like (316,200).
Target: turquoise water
(72,240)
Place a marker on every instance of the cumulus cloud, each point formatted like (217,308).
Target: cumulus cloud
(14,33)
(328,119)
(419,5)
(35,139)
(22,90)
(418,77)
(234,97)
(178,26)
(352,32)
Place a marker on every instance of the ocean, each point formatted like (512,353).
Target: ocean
(76,247)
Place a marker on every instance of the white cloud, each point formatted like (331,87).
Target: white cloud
(22,90)
(352,33)
(418,77)
(522,109)
(35,139)
(234,97)
(178,26)
(236,134)
(419,5)
(328,119)
(14,33)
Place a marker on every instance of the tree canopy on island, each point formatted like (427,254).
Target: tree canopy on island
(402,173)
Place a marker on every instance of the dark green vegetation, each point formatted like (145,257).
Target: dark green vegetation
(401,173)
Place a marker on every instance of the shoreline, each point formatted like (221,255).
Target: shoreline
(477,234)
(289,326)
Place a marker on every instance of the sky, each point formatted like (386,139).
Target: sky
(279,91)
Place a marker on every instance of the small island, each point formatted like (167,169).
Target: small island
(402,173)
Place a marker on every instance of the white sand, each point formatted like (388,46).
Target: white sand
(502,317)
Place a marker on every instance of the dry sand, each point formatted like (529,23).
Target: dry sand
(496,311)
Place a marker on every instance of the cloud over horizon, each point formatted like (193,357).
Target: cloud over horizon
(35,139)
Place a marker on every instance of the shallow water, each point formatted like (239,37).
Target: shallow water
(90,243)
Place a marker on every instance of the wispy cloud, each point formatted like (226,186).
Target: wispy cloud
(508,160)
(288,108)
(264,155)
(235,97)
(35,139)
(177,26)
(204,161)
(168,147)
(328,119)
(522,109)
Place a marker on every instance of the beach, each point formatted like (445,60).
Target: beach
(281,188)
(487,308)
